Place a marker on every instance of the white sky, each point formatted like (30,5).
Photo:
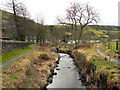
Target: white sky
(50,9)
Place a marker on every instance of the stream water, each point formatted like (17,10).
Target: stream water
(67,74)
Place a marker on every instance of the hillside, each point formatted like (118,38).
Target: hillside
(28,28)
(8,25)
(94,34)
(105,27)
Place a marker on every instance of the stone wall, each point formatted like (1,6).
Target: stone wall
(11,46)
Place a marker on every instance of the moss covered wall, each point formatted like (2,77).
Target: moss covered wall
(11,46)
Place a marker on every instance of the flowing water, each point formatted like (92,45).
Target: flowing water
(67,74)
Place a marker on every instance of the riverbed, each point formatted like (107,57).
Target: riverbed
(67,74)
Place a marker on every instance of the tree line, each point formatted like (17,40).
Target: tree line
(31,31)
(78,17)
(18,25)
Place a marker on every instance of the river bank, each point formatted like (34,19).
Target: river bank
(95,71)
(36,69)
(31,71)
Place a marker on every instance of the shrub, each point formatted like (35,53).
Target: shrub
(44,56)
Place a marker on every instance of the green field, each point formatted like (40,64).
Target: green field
(113,46)
(9,56)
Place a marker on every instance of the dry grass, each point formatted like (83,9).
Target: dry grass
(105,68)
(30,72)
(107,51)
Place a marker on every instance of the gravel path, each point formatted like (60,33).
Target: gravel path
(1,66)
(109,58)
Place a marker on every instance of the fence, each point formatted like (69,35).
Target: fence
(115,46)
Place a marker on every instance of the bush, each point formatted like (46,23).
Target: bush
(44,56)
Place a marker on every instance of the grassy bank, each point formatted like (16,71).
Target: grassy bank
(32,71)
(9,56)
(107,51)
(95,70)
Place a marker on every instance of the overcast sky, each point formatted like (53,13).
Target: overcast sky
(50,9)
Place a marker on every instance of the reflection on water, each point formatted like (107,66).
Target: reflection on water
(67,74)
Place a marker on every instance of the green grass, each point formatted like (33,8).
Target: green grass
(13,77)
(104,66)
(103,63)
(8,56)
(114,31)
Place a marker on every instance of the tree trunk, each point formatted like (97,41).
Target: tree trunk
(20,36)
(75,37)
(80,35)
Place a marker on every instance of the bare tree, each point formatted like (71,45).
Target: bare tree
(18,9)
(40,30)
(79,14)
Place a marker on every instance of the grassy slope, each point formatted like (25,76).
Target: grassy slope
(105,50)
(8,56)
(103,67)
(9,30)
(31,71)
(7,16)
(98,33)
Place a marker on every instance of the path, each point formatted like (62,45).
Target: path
(1,66)
(102,54)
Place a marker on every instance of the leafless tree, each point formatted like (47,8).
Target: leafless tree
(40,30)
(18,9)
(79,14)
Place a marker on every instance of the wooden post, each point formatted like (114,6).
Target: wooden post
(116,45)
(109,45)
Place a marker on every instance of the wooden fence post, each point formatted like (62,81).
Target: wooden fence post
(109,45)
(116,45)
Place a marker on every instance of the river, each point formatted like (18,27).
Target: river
(67,74)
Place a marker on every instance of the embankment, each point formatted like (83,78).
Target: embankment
(32,71)
(95,71)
